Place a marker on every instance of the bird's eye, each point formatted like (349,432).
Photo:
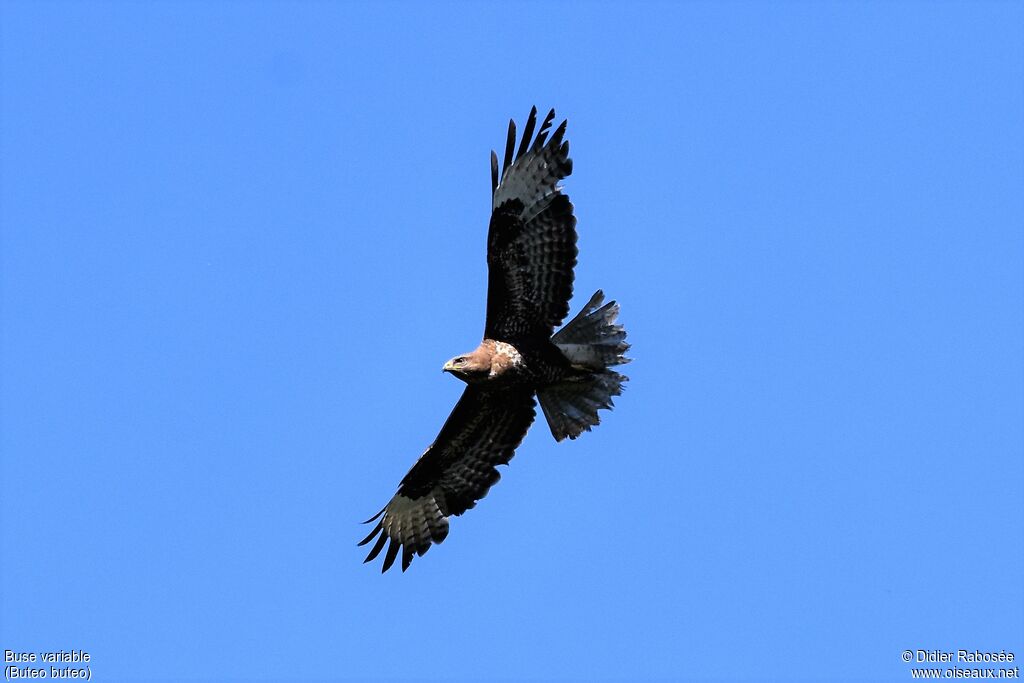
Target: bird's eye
(460,361)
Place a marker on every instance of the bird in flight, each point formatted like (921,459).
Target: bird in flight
(531,252)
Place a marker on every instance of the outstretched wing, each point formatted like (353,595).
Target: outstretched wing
(531,243)
(455,472)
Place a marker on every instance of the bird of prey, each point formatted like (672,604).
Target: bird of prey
(531,252)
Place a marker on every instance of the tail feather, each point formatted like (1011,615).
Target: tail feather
(592,339)
(593,342)
(571,406)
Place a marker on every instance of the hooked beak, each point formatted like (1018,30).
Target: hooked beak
(447,367)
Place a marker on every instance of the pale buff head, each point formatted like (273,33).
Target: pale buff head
(474,366)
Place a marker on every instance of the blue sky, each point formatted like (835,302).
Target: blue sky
(239,240)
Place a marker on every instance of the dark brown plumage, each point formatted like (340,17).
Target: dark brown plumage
(531,253)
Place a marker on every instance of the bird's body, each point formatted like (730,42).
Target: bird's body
(531,253)
(512,363)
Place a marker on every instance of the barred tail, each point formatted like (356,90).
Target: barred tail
(593,342)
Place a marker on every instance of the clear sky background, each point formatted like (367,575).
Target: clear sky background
(239,240)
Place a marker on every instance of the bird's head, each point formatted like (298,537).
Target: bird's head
(469,367)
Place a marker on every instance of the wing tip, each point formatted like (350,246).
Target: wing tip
(407,553)
(544,127)
(377,547)
(389,558)
(494,172)
(377,529)
(559,134)
(374,518)
(531,123)
(510,145)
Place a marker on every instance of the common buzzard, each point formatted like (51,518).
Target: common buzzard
(531,252)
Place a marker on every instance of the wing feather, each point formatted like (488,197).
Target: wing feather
(378,546)
(494,172)
(389,558)
(543,134)
(510,145)
(531,123)
(531,245)
(454,473)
